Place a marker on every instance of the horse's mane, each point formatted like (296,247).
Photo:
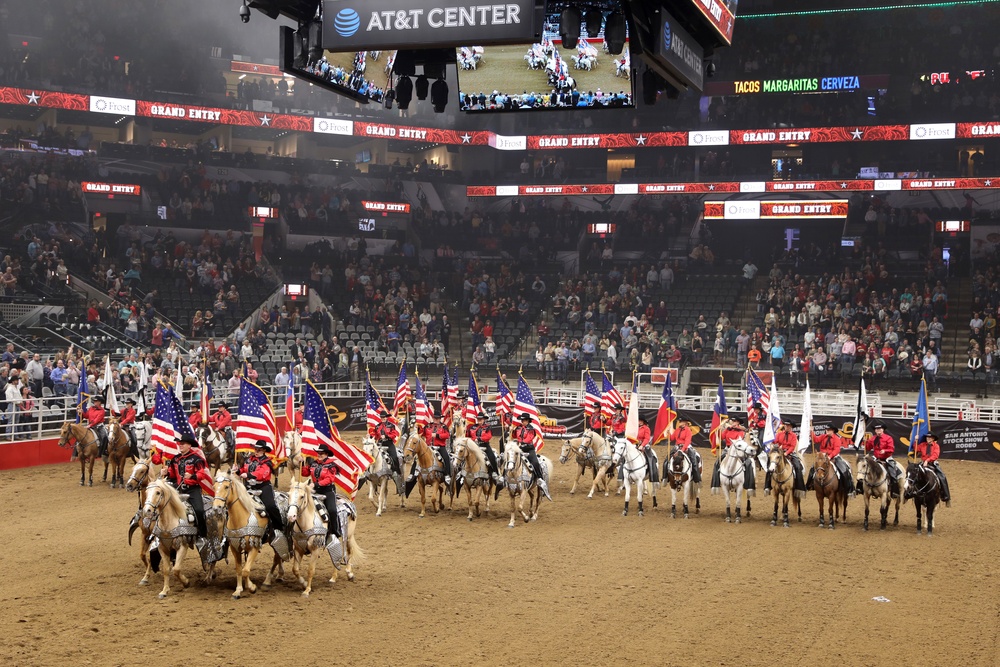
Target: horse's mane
(241,492)
(476,450)
(171,494)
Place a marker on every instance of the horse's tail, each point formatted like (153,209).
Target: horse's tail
(357,553)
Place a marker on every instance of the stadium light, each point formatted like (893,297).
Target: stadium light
(710,68)
(652,84)
(404,92)
(569,27)
(594,18)
(439,95)
(422,87)
(244,12)
(614,32)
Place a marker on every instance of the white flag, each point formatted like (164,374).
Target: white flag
(179,385)
(632,420)
(773,416)
(111,399)
(806,429)
(861,420)
(140,399)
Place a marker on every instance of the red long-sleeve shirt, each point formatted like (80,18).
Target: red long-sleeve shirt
(323,473)
(127,416)
(881,446)
(257,468)
(928,451)
(94,416)
(195,419)
(682,437)
(436,435)
(645,436)
(828,444)
(787,440)
(387,431)
(597,422)
(221,419)
(618,424)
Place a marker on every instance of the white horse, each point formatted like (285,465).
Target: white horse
(732,475)
(623,68)
(143,435)
(389,62)
(375,55)
(634,471)
(678,473)
(378,475)
(519,482)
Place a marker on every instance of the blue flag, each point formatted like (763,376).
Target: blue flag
(921,421)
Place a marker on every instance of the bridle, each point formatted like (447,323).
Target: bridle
(930,481)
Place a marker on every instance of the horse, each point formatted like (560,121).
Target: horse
(678,473)
(829,489)
(782,485)
(429,472)
(476,479)
(923,485)
(87,447)
(518,479)
(732,475)
(634,471)
(213,445)
(166,515)
(378,475)
(244,529)
(119,449)
(143,435)
(593,452)
(875,484)
(623,68)
(142,475)
(292,440)
(309,534)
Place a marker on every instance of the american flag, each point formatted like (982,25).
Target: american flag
(472,403)
(169,422)
(445,412)
(402,391)
(256,420)
(373,406)
(524,404)
(422,407)
(451,391)
(505,399)
(591,397)
(317,429)
(611,397)
(666,414)
(290,401)
(757,390)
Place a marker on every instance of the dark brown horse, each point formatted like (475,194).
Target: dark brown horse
(87,447)
(213,445)
(829,491)
(923,485)
(119,449)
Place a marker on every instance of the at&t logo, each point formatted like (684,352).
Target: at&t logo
(667,35)
(347,22)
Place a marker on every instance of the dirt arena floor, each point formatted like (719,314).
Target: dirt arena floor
(503,68)
(581,586)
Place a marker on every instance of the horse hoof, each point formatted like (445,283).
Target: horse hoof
(350,576)
(625,513)
(673,515)
(143,582)
(728,520)
(236,596)
(774,523)
(738,520)
(91,483)
(305,594)
(930,534)
(641,513)
(162,595)
(786,525)
(470,518)
(686,516)
(510,525)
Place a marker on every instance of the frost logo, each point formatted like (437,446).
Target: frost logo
(347,22)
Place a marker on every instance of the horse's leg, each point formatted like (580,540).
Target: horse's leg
(576,480)
(686,493)
(372,498)
(83,468)
(819,499)
(916,503)
(238,567)
(166,567)
(423,499)
(739,503)
(90,470)
(931,506)
(884,510)
(867,503)
(895,521)
(526,495)
(673,500)
(247,566)
(834,508)
(350,548)
(640,488)
(784,507)
(146,560)
(275,564)
(512,509)
(312,570)
(107,462)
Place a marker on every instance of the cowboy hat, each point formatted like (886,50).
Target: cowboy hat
(188,439)
(260,444)
(324,449)
(526,417)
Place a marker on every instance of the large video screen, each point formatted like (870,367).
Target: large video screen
(364,73)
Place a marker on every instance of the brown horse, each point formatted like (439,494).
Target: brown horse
(829,491)
(782,485)
(875,484)
(142,475)
(244,530)
(87,447)
(309,534)
(214,447)
(119,449)
(429,473)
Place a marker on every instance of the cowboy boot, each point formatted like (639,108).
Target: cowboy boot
(809,482)
(767,483)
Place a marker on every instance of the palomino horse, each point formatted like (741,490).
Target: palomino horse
(829,491)
(309,534)
(782,485)
(378,475)
(293,445)
(519,481)
(244,530)
(166,515)
(593,453)
(732,476)
(142,475)
(213,445)
(476,479)
(119,449)
(875,484)
(923,485)
(678,473)
(429,472)
(634,471)
(87,447)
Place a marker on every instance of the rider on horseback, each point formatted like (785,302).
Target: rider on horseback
(644,443)
(222,422)
(787,440)
(324,474)
(257,471)
(387,434)
(929,451)
(95,420)
(757,418)
(882,448)
(597,422)
(830,444)
(618,421)
(436,435)
(126,420)
(525,436)
(734,431)
(682,438)
(481,435)
(197,420)
(182,473)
